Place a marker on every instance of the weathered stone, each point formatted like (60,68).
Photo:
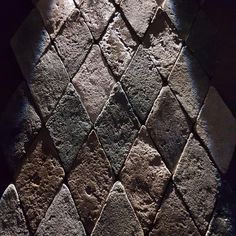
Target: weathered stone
(47,82)
(189,83)
(197,180)
(39,179)
(62,217)
(139,13)
(168,127)
(118,217)
(117,127)
(69,126)
(162,43)
(73,42)
(90,181)
(216,126)
(118,45)
(12,220)
(97,13)
(94,83)
(173,218)
(19,126)
(145,177)
(142,83)
(54,13)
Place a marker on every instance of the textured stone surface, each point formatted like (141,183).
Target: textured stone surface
(62,217)
(189,82)
(39,179)
(118,217)
(47,82)
(163,43)
(145,177)
(197,180)
(216,126)
(168,127)
(118,45)
(12,220)
(90,181)
(94,82)
(97,13)
(142,83)
(117,127)
(29,42)
(54,13)
(69,126)
(143,9)
(173,218)
(73,42)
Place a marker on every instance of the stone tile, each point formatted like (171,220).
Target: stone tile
(118,45)
(54,13)
(94,82)
(39,179)
(216,126)
(168,127)
(173,218)
(142,83)
(90,181)
(47,82)
(73,42)
(19,125)
(68,126)
(189,83)
(117,127)
(97,13)
(145,177)
(117,217)
(139,14)
(198,181)
(162,43)
(62,217)
(12,220)
(29,42)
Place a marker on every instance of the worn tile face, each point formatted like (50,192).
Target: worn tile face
(117,127)
(94,82)
(68,126)
(145,177)
(73,42)
(90,181)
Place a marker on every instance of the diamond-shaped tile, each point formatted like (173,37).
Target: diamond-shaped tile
(168,127)
(117,127)
(142,83)
(73,42)
(68,126)
(145,177)
(118,45)
(94,82)
(90,181)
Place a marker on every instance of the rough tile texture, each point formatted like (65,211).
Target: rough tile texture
(198,182)
(117,127)
(62,217)
(168,127)
(73,42)
(118,217)
(68,126)
(145,177)
(39,179)
(142,83)
(94,82)
(118,45)
(90,181)
(216,126)
(12,220)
